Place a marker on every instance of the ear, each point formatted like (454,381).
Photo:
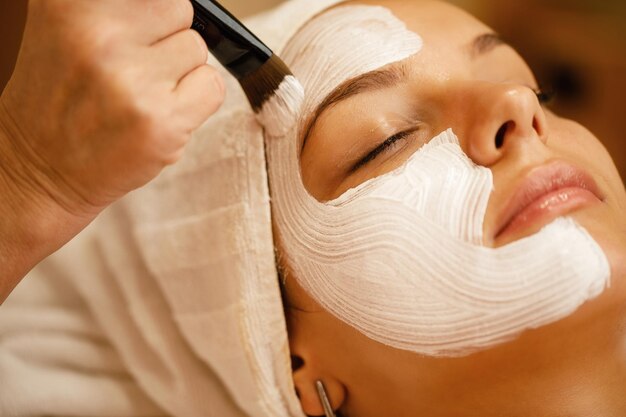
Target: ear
(310,363)
(306,372)
(312,351)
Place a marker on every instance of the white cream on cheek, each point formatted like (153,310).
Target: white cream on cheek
(400,257)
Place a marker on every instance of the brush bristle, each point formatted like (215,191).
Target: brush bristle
(260,85)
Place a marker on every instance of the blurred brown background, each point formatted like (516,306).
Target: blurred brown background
(576,47)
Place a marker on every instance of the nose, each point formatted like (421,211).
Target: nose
(497,117)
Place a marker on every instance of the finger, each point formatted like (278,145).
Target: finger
(198,95)
(179,54)
(155,20)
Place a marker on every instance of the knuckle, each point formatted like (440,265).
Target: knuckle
(169,145)
(149,122)
(112,80)
(209,81)
(215,104)
(79,25)
(94,48)
(158,135)
(216,84)
(199,44)
(184,11)
(87,67)
(136,113)
(208,76)
(99,42)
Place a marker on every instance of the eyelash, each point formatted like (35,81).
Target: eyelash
(544,97)
(383,147)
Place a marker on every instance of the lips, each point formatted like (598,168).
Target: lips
(548,192)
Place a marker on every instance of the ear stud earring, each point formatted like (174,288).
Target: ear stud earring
(321,392)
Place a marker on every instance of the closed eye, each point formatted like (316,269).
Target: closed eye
(383,147)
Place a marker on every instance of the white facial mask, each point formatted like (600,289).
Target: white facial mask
(399,257)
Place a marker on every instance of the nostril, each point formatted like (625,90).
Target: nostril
(501,134)
(537,126)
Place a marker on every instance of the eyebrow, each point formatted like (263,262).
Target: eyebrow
(485,43)
(368,82)
(386,78)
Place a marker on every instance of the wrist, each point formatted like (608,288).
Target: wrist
(20,246)
(32,225)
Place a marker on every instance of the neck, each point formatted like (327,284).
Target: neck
(581,370)
(575,367)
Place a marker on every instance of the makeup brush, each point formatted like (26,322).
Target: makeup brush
(249,60)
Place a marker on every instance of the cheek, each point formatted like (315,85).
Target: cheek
(574,142)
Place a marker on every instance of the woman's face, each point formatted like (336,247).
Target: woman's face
(464,78)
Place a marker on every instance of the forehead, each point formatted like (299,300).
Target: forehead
(443,30)
(355,38)
(438,17)
(445,35)
(441,25)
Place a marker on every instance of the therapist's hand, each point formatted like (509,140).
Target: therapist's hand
(104,95)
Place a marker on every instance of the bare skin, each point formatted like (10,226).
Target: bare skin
(104,95)
(574,367)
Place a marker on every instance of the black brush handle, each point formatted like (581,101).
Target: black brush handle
(234,46)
